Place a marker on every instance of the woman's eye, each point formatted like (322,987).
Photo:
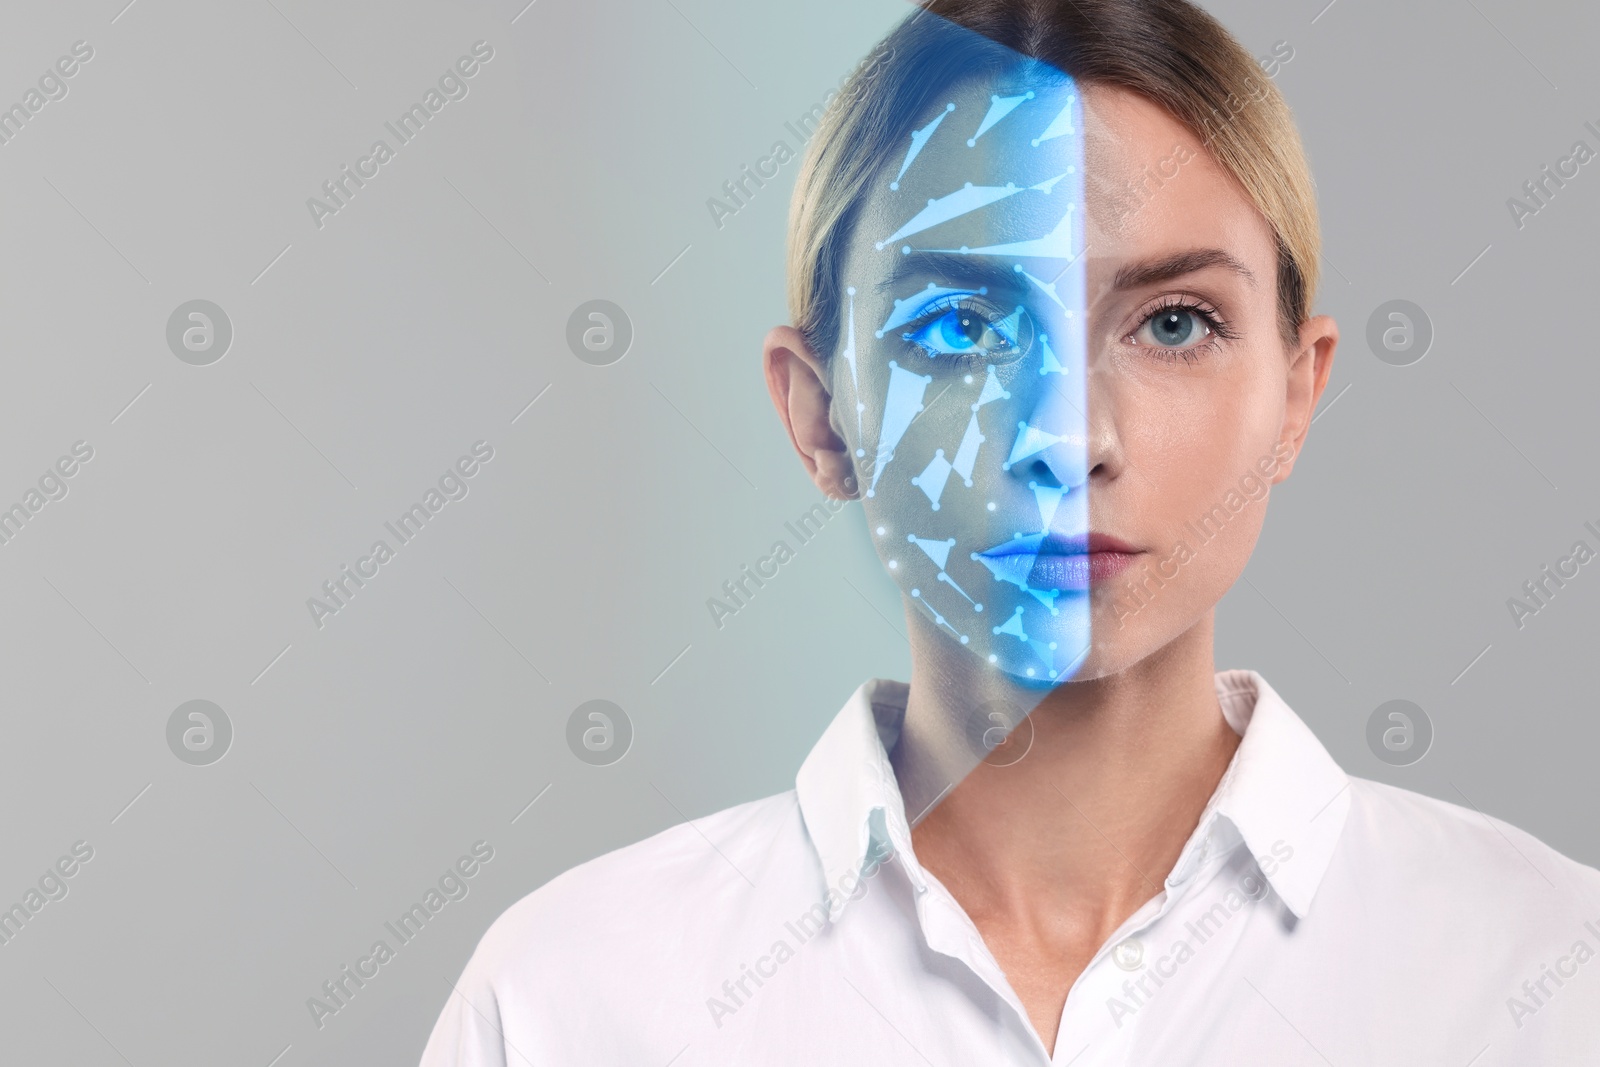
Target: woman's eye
(1177,327)
(962,331)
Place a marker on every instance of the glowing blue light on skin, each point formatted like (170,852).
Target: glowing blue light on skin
(967,199)
(1048,499)
(1048,288)
(912,306)
(999,108)
(992,390)
(849,354)
(947,334)
(967,454)
(1063,124)
(904,402)
(1057,244)
(939,620)
(1048,363)
(979,488)
(933,478)
(918,139)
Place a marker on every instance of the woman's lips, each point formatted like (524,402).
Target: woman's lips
(1077,571)
(1068,562)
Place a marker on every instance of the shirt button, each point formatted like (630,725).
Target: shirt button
(1129,954)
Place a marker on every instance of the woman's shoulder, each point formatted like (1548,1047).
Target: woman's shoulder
(651,894)
(640,933)
(1474,860)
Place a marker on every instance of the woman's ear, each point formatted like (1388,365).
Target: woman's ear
(798,383)
(1308,376)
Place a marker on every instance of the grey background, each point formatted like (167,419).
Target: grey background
(370,754)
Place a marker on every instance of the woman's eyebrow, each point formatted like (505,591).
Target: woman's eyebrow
(1179,263)
(974,271)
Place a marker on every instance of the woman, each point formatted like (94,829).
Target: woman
(1051,273)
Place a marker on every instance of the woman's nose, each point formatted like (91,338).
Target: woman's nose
(1052,443)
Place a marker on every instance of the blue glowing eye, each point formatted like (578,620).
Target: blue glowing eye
(965,329)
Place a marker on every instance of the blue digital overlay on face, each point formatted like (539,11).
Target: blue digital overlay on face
(961,383)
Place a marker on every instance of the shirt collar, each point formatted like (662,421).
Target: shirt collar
(1282,791)
(847,789)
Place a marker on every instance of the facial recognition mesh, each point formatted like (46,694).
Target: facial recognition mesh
(962,371)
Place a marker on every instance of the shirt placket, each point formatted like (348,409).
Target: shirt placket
(949,931)
(1101,1021)
(1093,1032)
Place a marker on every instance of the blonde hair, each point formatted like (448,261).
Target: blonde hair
(1168,51)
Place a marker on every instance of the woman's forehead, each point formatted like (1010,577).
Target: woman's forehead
(1031,172)
(993,162)
(989,130)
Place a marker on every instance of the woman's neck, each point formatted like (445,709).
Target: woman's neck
(1092,818)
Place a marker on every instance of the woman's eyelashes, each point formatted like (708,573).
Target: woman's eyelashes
(968,329)
(1181,326)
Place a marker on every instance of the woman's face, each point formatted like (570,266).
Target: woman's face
(1060,377)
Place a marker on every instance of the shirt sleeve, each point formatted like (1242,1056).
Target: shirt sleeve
(470,1031)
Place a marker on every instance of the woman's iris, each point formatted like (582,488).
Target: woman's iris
(965,330)
(960,328)
(1173,328)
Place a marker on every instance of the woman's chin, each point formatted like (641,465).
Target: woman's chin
(1042,659)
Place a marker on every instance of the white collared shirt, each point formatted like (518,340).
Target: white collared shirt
(1311,919)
